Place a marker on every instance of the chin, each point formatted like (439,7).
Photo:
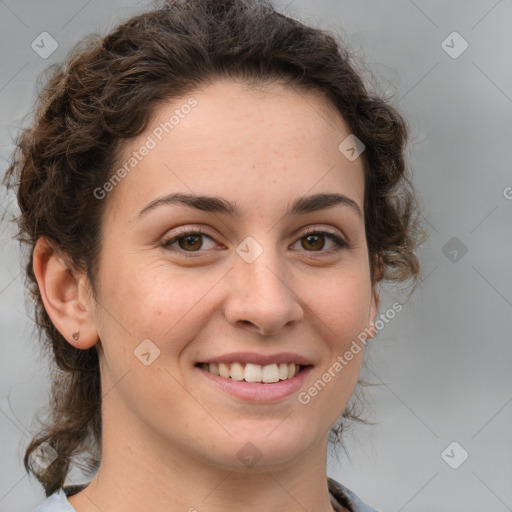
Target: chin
(263,449)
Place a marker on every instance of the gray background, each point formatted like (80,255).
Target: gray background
(444,363)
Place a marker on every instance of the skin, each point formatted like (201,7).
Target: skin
(170,439)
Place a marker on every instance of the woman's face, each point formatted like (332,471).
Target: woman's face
(253,287)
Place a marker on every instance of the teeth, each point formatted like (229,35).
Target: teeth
(213,368)
(223,370)
(253,372)
(283,371)
(270,373)
(237,371)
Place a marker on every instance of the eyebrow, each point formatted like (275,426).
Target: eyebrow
(300,206)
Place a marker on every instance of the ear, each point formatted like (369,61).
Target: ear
(66,296)
(373,310)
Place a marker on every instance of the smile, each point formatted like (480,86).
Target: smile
(250,372)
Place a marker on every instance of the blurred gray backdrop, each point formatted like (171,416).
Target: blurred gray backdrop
(443,409)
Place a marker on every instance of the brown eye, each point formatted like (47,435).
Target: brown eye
(313,242)
(189,241)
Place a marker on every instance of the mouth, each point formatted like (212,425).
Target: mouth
(253,377)
(254,373)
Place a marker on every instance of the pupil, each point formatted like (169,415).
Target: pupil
(315,239)
(190,239)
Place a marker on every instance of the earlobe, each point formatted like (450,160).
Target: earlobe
(62,292)
(375,295)
(373,311)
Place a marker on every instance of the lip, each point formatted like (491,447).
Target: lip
(257,392)
(262,359)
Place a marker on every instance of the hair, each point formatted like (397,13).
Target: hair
(106,92)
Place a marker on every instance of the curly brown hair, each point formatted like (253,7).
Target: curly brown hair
(106,92)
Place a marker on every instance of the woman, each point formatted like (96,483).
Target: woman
(211,198)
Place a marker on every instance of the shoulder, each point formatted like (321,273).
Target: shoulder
(58,501)
(341,496)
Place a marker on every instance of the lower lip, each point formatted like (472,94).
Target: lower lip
(258,392)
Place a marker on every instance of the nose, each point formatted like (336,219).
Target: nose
(261,296)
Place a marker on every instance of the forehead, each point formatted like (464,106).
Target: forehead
(254,145)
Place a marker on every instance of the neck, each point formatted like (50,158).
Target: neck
(141,471)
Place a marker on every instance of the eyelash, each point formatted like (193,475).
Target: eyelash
(339,242)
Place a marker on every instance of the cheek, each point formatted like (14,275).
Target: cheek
(146,301)
(151,299)
(339,308)
(342,305)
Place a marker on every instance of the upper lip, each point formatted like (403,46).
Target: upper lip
(261,359)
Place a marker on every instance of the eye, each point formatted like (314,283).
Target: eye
(315,240)
(193,240)
(189,240)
